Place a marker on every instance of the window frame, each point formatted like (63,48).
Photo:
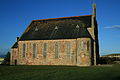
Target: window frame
(56,50)
(24,50)
(34,50)
(68,49)
(45,50)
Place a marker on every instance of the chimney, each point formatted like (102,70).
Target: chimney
(17,39)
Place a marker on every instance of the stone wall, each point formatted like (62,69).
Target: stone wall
(57,52)
(14,56)
(84,52)
(62,59)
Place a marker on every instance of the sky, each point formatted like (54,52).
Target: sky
(16,15)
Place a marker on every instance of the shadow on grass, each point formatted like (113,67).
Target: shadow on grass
(116,78)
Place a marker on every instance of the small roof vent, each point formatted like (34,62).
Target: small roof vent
(56,27)
(36,29)
(77,26)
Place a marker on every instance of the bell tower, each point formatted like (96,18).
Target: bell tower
(93,9)
(94,34)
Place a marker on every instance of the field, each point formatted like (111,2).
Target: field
(59,73)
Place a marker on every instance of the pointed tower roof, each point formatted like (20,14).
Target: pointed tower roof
(93,8)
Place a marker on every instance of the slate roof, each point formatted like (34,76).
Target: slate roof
(15,45)
(58,28)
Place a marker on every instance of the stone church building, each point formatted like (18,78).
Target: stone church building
(69,41)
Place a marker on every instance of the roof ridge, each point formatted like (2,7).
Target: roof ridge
(60,18)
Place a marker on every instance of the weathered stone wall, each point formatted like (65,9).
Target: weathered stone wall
(63,57)
(68,52)
(14,56)
(84,52)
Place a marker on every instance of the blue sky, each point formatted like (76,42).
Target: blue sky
(15,16)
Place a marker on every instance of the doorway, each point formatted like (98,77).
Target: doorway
(15,62)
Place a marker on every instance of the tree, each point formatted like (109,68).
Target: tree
(6,60)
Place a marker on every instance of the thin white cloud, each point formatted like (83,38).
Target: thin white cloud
(114,26)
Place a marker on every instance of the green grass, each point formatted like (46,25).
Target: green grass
(59,73)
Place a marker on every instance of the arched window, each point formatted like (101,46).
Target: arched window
(24,50)
(45,50)
(56,50)
(68,49)
(82,45)
(34,50)
(88,45)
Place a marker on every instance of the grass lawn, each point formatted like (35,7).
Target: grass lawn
(59,73)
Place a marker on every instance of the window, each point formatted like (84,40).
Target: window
(45,50)
(24,49)
(56,50)
(68,49)
(34,50)
(82,45)
(88,46)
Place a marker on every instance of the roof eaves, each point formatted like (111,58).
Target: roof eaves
(26,29)
(15,45)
